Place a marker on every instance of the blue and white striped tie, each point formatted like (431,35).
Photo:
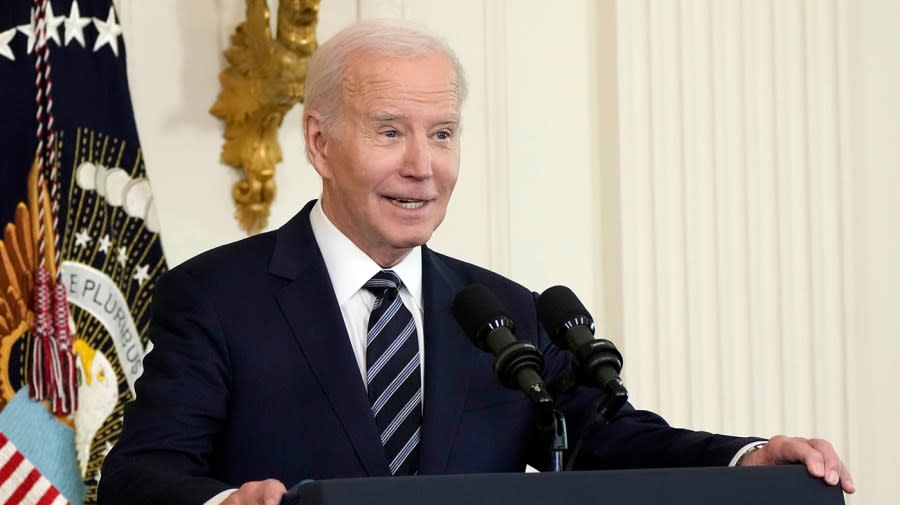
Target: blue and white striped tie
(392,374)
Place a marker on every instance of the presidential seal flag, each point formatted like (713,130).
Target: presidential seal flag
(79,251)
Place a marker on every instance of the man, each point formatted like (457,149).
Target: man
(327,348)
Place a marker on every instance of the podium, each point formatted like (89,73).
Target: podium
(772,485)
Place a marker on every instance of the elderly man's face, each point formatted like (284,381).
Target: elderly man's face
(392,159)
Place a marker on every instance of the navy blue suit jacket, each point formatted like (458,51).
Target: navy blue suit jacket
(252,377)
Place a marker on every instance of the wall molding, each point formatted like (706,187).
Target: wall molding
(496,122)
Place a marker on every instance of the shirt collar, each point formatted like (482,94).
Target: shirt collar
(349,267)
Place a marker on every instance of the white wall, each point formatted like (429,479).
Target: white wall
(174,59)
(551,190)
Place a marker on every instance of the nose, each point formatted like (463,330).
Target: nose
(417,159)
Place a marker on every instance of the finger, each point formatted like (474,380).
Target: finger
(833,463)
(830,459)
(267,492)
(847,480)
(272,491)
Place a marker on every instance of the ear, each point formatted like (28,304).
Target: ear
(314,133)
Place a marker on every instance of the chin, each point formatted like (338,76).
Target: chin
(408,241)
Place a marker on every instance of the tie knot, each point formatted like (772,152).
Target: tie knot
(384,283)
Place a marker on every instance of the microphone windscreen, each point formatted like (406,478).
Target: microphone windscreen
(475,307)
(558,305)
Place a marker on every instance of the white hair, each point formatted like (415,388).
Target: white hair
(385,37)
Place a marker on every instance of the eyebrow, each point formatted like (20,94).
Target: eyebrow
(449,122)
(381,117)
(385,116)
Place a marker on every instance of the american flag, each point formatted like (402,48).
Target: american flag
(22,482)
(105,250)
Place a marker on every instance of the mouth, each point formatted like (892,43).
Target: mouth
(407,203)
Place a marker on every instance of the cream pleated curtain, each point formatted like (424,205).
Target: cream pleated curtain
(735,211)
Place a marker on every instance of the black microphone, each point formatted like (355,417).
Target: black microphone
(597,361)
(518,363)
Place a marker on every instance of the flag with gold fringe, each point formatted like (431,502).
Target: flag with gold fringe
(79,252)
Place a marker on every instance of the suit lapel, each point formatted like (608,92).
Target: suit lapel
(312,311)
(448,359)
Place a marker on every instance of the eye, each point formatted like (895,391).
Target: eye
(443,135)
(391,134)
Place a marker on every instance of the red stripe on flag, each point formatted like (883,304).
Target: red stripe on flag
(49,496)
(24,487)
(3,439)
(10,466)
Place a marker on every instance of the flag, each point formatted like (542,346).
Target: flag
(79,252)
(50,446)
(22,482)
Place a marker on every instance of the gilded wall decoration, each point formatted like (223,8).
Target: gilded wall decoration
(264,79)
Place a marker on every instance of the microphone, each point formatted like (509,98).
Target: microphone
(597,361)
(518,363)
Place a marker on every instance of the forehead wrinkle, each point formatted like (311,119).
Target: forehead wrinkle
(385,89)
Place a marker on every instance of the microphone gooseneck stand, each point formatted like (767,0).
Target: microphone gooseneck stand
(558,441)
(522,359)
(613,397)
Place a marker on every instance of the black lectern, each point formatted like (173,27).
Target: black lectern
(773,485)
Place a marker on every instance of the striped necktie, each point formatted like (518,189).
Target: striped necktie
(392,374)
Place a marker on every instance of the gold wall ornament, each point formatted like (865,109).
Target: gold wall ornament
(264,79)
